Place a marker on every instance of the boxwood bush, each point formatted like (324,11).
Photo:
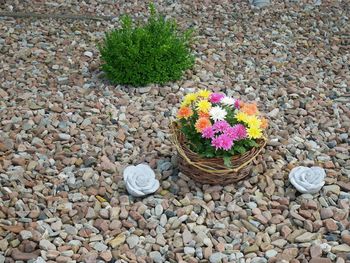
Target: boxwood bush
(156,52)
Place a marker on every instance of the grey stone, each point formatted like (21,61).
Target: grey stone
(189,251)
(156,256)
(158,210)
(46,245)
(261,3)
(26,234)
(99,246)
(132,241)
(216,257)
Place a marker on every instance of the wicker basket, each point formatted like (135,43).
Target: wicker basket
(212,170)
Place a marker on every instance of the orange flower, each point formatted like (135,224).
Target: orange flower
(250,108)
(264,123)
(203,114)
(202,123)
(184,112)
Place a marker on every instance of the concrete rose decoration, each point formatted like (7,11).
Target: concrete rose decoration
(307,180)
(140,180)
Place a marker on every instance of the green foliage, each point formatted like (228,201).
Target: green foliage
(152,53)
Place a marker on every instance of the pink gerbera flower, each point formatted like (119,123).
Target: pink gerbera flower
(237,104)
(232,133)
(241,131)
(222,142)
(216,97)
(221,126)
(237,132)
(208,133)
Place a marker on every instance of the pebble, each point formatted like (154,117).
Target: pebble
(88,54)
(216,257)
(271,253)
(156,257)
(132,241)
(46,245)
(66,134)
(306,237)
(99,246)
(26,234)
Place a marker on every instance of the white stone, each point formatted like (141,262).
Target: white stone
(88,54)
(261,3)
(307,180)
(140,180)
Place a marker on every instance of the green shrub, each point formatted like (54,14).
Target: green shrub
(153,53)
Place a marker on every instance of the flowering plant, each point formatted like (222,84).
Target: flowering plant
(216,125)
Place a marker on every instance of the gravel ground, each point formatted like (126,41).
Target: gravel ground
(66,135)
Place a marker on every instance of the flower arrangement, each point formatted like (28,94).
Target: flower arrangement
(216,125)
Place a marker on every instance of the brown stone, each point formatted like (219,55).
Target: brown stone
(329,165)
(285,231)
(330,225)
(207,252)
(288,254)
(315,251)
(311,204)
(220,247)
(19,161)
(62,259)
(344,186)
(52,254)
(85,232)
(28,246)
(18,255)
(115,224)
(326,213)
(346,239)
(135,215)
(101,224)
(106,255)
(121,135)
(14,229)
(320,260)
(305,213)
(262,219)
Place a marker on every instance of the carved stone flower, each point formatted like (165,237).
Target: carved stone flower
(307,180)
(140,180)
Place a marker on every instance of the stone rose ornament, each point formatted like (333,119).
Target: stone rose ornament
(307,180)
(140,180)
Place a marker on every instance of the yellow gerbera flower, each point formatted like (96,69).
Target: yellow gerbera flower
(254,133)
(204,106)
(204,93)
(241,116)
(253,121)
(188,99)
(191,97)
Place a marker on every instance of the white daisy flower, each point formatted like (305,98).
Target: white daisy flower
(217,113)
(228,101)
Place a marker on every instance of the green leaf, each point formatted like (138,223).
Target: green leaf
(227,161)
(253,143)
(240,149)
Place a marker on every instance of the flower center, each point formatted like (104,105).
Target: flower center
(141,180)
